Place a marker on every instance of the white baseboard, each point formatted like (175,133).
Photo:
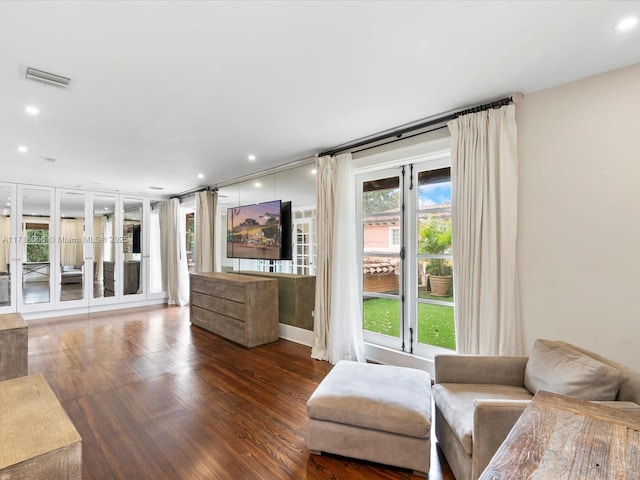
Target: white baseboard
(295,334)
(91,309)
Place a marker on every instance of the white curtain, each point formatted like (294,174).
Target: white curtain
(174,255)
(71,241)
(338,311)
(326,167)
(484,175)
(204,224)
(99,224)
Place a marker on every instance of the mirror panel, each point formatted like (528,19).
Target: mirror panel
(132,246)
(157,278)
(71,244)
(5,245)
(104,249)
(36,246)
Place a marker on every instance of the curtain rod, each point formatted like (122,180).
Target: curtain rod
(399,133)
(193,192)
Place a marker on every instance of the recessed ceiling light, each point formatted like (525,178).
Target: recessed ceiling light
(626,24)
(251,157)
(257,184)
(31,110)
(22,149)
(200,175)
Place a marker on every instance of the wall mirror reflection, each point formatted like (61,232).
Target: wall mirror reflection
(132,246)
(104,235)
(71,244)
(295,186)
(5,245)
(35,245)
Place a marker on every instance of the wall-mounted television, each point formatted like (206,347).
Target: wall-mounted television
(260,231)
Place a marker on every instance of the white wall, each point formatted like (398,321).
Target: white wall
(579,214)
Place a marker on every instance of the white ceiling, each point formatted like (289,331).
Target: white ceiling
(162,91)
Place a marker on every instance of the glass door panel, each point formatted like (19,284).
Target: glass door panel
(35,248)
(71,242)
(434,260)
(381,224)
(104,246)
(132,229)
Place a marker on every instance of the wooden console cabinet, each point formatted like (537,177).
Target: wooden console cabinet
(241,308)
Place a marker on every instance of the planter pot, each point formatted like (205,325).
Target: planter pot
(440,285)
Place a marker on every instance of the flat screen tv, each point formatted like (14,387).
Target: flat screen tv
(260,231)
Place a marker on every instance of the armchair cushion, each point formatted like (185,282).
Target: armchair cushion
(456,404)
(558,368)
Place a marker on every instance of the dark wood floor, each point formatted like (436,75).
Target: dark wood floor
(156,398)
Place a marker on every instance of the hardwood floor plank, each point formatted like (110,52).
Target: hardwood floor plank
(154,397)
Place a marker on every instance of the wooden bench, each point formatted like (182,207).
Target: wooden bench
(14,339)
(37,439)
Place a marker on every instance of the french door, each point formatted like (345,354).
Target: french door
(406,257)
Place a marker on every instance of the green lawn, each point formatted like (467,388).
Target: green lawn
(435,322)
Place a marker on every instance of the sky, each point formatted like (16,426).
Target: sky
(434,194)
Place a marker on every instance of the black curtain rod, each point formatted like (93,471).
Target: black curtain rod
(398,134)
(193,192)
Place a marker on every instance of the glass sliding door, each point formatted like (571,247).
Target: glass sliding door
(73,270)
(35,250)
(132,246)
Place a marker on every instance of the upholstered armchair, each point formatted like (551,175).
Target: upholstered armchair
(478,399)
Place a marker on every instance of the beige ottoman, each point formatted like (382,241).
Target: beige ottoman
(373,412)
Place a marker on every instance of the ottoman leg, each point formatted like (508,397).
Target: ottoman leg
(420,474)
(315,452)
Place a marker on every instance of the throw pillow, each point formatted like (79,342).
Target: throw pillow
(557,368)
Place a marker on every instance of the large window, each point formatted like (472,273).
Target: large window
(406,256)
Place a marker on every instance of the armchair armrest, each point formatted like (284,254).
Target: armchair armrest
(492,422)
(480,369)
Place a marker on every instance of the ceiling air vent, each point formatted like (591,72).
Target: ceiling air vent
(48,78)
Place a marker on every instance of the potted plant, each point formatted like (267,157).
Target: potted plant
(435,239)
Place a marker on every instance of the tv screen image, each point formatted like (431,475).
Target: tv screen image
(255,231)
